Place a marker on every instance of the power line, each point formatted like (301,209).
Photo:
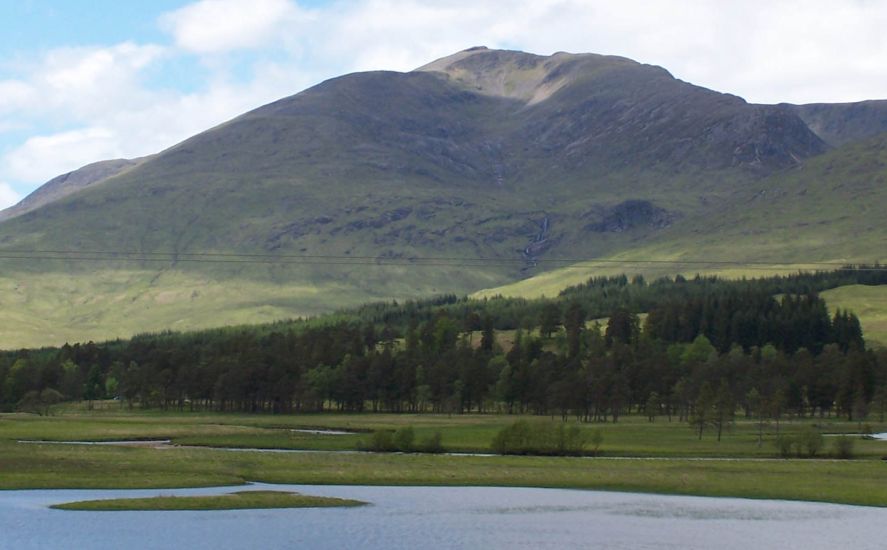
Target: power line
(418,261)
(179,255)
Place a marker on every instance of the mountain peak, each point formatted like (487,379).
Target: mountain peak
(518,75)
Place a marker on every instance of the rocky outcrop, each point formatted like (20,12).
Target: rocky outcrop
(628,215)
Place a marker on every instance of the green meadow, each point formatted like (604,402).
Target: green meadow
(635,455)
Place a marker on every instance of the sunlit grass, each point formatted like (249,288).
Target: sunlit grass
(869,303)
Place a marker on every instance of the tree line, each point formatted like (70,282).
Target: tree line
(704,349)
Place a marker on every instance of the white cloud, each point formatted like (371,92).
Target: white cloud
(14,95)
(43,157)
(767,52)
(213,26)
(8,196)
(77,69)
(80,82)
(89,80)
(92,104)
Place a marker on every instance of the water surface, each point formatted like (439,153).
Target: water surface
(446,517)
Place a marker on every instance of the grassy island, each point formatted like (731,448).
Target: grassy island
(232,501)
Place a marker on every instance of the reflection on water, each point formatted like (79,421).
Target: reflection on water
(446,517)
(318,431)
(670,510)
(706,509)
(739,513)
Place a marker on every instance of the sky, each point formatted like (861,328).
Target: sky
(87,81)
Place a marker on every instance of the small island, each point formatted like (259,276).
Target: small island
(231,501)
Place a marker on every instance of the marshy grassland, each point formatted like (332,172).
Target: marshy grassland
(636,455)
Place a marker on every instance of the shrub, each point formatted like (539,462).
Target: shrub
(403,439)
(569,439)
(784,444)
(513,439)
(810,442)
(597,438)
(40,402)
(433,444)
(843,447)
(524,438)
(382,441)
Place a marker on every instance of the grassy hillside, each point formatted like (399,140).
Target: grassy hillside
(869,303)
(41,309)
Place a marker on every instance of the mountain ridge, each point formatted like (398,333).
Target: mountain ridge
(69,183)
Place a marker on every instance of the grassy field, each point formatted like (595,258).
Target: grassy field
(632,436)
(240,500)
(869,303)
(68,466)
(658,457)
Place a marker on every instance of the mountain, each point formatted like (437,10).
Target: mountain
(66,184)
(476,170)
(841,123)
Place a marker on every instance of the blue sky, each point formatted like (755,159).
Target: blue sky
(35,25)
(86,81)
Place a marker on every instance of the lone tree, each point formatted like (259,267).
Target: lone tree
(758,408)
(488,333)
(549,319)
(651,407)
(40,402)
(724,409)
(574,324)
(703,409)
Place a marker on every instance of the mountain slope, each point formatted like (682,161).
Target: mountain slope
(842,123)
(68,184)
(478,169)
(828,210)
